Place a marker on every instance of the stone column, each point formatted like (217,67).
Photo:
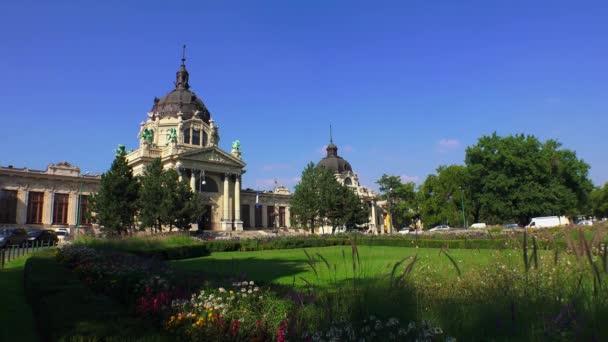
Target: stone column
(192,180)
(373,223)
(226,223)
(287,217)
(264,216)
(73,209)
(21,207)
(47,210)
(238,224)
(252,216)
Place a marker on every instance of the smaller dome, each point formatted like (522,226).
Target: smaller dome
(333,161)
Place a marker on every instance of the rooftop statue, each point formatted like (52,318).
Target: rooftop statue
(147,135)
(236,145)
(171,136)
(120,150)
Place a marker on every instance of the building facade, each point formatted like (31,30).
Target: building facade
(53,198)
(180,131)
(346,176)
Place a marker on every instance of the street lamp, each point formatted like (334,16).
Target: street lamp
(464,220)
(390,209)
(80,200)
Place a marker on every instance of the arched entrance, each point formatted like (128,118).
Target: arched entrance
(206,220)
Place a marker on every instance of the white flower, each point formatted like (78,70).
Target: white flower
(222,289)
(244,283)
(249,291)
(251,283)
(256,289)
(243,290)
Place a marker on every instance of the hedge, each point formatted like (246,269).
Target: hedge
(66,310)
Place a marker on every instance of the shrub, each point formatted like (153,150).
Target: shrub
(65,310)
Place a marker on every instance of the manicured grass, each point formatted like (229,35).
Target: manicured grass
(289,265)
(16,315)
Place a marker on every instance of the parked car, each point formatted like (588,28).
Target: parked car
(511,225)
(584,223)
(12,236)
(478,226)
(43,235)
(406,230)
(439,228)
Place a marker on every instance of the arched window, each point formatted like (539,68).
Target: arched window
(209,186)
(348,181)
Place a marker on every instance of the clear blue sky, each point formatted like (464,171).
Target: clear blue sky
(407,85)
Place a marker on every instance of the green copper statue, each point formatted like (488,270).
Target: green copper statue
(236,145)
(171,136)
(120,150)
(147,135)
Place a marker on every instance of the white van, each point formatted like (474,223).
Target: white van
(548,221)
(478,226)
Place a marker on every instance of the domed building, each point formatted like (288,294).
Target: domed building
(343,172)
(180,131)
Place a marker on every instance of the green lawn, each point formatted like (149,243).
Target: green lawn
(283,266)
(16,314)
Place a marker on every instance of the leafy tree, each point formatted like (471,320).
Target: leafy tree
(304,200)
(114,204)
(180,206)
(519,177)
(442,197)
(320,199)
(599,201)
(401,196)
(151,196)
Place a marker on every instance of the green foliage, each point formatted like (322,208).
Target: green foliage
(320,199)
(114,205)
(519,177)
(16,315)
(83,315)
(151,196)
(599,201)
(402,198)
(442,196)
(164,200)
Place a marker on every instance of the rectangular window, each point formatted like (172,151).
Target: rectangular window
(258,216)
(187,135)
(282,217)
(245,215)
(35,203)
(205,138)
(84,210)
(271,216)
(8,206)
(196,137)
(60,209)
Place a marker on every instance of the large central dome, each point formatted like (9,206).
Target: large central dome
(181,99)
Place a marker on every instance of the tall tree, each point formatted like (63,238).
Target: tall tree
(599,201)
(519,177)
(320,200)
(443,197)
(180,206)
(151,196)
(114,205)
(401,197)
(304,200)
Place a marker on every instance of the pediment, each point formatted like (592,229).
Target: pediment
(213,155)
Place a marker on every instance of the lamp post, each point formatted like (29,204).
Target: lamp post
(464,220)
(80,201)
(390,209)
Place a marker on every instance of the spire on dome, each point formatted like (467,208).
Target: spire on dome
(332,149)
(181,79)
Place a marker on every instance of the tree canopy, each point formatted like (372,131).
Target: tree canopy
(402,198)
(518,177)
(114,205)
(320,199)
